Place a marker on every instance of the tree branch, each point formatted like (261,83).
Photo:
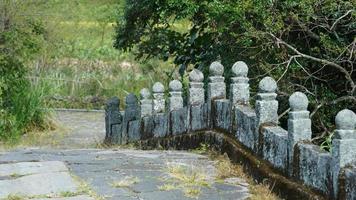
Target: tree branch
(335,65)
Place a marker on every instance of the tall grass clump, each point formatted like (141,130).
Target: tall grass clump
(21,104)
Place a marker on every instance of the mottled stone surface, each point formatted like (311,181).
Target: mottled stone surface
(245,122)
(159,104)
(112,117)
(239,87)
(343,144)
(134,131)
(314,167)
(299,124)
(275,146)
(160,122)
(147,127)
(222,115)
(175,95)
(179,121)
(267,85)
(198,117)
(80,197)
(196,94)
(146,103)
(266,105)
(27,179)
(132,113)
(350,183)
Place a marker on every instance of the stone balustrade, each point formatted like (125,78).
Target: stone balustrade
(257,129)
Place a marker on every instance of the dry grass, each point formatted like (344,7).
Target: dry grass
(126,182)
(226,169)
(190,180)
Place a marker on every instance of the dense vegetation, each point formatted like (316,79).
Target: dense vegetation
(21,105)
(305,45)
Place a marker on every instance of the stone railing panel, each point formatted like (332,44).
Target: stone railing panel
(312,166)
(245,120)
(222,114)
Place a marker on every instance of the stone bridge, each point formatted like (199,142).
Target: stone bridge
(251,136)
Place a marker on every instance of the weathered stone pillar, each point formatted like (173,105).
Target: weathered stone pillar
(198,109)
(175,95)
(216,86)
(343,145)
(132,113)
(113,121)
(216,89)
(266,104)
(239,88)
(299,124)
(146,102)
(196,88)
(160,118)
(159,105)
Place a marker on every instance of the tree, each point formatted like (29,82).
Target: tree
(306,45)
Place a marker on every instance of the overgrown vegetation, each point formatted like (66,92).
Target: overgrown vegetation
(21,104)
(79,60)
(306,45)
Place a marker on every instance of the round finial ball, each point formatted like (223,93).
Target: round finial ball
(240,69)
(158,88)
(196,76)
(268,85)
(145,93)
(298,101)
(216,69)
(175,85)
(345,120)
(131,98)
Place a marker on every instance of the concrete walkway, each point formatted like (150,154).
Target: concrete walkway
(77,171)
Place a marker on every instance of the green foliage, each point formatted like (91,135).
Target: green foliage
(231,30)
(20,39)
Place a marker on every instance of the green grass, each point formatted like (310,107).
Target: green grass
(79,61)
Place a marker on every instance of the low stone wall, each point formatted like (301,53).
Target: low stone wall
(288,153)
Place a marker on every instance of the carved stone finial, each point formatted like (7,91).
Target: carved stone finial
(158,88)
(240,69)
(131,99)
(216,69)
(267,85)
(113,103)
(175,86)
(145,93)
(345,120)
(196,76)
(298,101)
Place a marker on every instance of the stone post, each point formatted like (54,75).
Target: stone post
(299,124)
(132,113)
(175,93)
(266,104)
(216,89)
(159,105)
(239,88)
(216,86)
(343,145)
(196,88)
(146,103)
(113,121)
(197,108)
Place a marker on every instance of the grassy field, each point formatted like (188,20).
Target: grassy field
(78,61)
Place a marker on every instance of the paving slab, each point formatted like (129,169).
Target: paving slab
(26,168)
(38,184)
(80,197)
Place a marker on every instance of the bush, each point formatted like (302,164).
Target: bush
(20,103)
(306,45)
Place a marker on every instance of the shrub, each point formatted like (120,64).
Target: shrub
(20,39)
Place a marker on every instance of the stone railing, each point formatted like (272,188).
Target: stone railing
(290,151)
